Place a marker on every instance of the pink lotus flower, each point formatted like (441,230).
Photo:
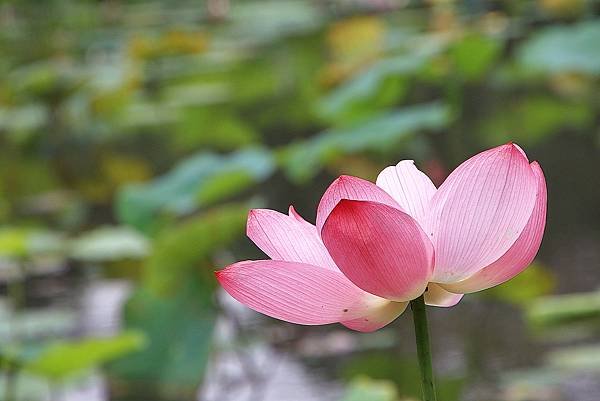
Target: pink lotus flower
(376,247)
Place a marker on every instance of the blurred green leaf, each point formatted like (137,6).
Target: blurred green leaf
(62,359)
(530,120)
(216,127)
(568,48)
(174,307)
(107,244)
(536,384)
(191,94)
(28,388)
(279,87)
(34,324)
(179,330)
(224,186)
(270,20)
(532,283)
(576,358)
(474,55)
(21,242)
(25,177)
(141,113)
(23,120)
(381,85)
(256,80)
(564,309)
(404,373)
(45,78)
(365,389)
(303,160)
(181,191)
(186,249)
(13,242)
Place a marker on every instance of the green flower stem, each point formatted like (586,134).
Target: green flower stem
(423,348)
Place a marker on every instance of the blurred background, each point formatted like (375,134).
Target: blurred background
(135,136)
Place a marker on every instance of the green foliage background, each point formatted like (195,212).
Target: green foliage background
(135,135)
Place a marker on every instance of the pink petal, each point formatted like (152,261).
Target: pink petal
(293,213)
(437,296)
(348,187)
(379,248)
(520,149)
(410,187)
(296,292)
(378,317)
(480,211)
(289,238)
(520,255)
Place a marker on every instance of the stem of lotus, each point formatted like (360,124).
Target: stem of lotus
(423,348)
